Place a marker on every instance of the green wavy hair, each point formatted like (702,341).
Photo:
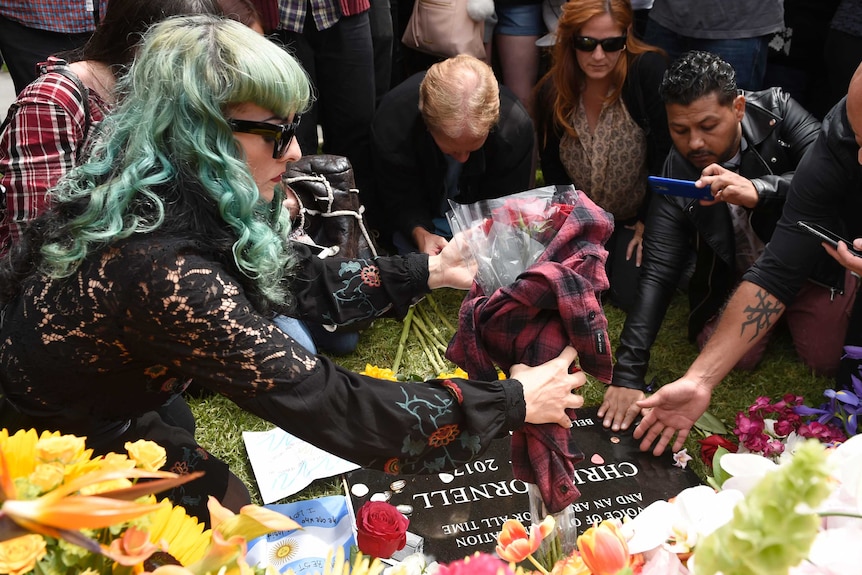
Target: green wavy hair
(167,159)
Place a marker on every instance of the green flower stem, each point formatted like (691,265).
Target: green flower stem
(408,319)
(537,564)
(439,313)
(426,331)
(431,331)
(428,353)
(439,336)
(839,514)
(558,550)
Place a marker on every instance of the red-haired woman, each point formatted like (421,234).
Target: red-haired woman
(602,125)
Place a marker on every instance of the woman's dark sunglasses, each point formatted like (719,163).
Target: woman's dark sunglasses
(281,134)
(587,44)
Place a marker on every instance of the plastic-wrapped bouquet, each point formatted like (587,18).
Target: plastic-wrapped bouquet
(507,235)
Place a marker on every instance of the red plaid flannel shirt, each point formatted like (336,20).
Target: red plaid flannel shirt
(554,303)
(40,144)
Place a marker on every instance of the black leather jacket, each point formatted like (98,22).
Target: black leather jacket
(776,132)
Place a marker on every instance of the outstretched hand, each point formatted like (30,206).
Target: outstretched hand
(619,407)
(673,410)
(549,388)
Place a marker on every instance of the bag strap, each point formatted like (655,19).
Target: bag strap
(83,99)
(61,68)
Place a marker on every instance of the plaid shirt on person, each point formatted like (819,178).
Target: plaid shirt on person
(41,142)
(554,303)
(64,16)
(325,12)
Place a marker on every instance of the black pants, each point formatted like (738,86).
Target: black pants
(23,48)
(340,63)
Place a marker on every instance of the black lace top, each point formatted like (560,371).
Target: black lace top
(140,320)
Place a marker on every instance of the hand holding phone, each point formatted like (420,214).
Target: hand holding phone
(683,188)
(828,236)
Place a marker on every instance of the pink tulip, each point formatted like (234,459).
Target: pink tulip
(515,545)
(604,549)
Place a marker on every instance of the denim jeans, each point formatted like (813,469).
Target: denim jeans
(297,330)
(746,55)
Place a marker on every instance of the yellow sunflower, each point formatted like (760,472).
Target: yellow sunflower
(185,536)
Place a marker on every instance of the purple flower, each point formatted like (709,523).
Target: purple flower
(773,447)
(852,352)
(784,427)
(829,434)
(842,409)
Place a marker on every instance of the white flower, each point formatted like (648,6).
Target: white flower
(834,552)
(746,470)
(791,443)
(694,513)
(681,458)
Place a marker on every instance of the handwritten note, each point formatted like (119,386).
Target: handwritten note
(284,464)
(326,524)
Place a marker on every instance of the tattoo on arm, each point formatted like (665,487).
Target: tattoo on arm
(762,315)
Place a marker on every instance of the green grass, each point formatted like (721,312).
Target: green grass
(221,423)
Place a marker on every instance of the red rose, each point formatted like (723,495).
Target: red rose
(381,529)
(710,445)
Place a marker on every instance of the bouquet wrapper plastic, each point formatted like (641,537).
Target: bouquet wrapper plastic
(553,300)
(507,235)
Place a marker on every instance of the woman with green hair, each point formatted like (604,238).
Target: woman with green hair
(163,259)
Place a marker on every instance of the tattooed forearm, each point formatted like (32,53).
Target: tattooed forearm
(763,314)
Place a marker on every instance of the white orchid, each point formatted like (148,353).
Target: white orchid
(678,524)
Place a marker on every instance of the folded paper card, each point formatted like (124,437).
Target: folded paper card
(284,464)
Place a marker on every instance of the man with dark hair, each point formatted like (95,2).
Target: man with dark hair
(826,191)
(743,146)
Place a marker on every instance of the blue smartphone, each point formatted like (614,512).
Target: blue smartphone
(683,188)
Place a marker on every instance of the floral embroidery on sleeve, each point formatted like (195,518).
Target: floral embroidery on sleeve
(451,445)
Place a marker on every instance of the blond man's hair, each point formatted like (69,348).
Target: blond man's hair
(460,96)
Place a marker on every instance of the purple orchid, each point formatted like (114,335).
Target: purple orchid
(843,406)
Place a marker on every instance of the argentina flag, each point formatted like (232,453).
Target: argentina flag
(326,525)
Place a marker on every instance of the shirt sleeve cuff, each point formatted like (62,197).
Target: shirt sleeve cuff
(516,407)
(629,384)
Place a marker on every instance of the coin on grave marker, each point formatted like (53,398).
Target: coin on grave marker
(615,439)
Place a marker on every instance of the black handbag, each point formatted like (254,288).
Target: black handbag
(330,214)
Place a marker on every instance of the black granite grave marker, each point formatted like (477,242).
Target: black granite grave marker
(459,513)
